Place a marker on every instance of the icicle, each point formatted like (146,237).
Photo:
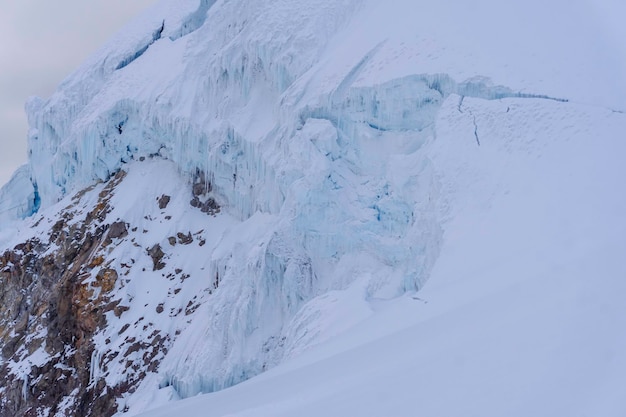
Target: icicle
(94,367)
(25,387)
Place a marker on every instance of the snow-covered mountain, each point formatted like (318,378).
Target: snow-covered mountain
(356,207)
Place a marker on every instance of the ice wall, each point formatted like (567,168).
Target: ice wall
(175,82)
(20,199)
(323,167)
(356,203)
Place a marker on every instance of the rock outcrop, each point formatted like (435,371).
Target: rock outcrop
(56,292)
(51,304)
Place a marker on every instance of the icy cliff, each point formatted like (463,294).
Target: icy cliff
(316,128)
(20,198)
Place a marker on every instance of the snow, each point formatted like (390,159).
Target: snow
(523,311)
(250,66)
(421,206)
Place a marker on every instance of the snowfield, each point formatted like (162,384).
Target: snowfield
(422,205)
(523,311)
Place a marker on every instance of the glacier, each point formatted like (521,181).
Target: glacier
(341,138)
(20,199)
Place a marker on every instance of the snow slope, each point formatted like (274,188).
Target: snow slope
(363,151)
(523,313)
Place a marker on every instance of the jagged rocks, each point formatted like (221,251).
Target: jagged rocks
(55,294)
(184,239)
(66,294)
(201,199)
(118,230)
(106,279)
(201,186)
(61,310)
(156,253)
(163,201)
(199,189)
(209,206)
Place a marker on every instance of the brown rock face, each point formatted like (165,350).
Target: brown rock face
(65,310)
(184,239)
(106,279)
(48,303)
(201,190)
(118,230)
(163,201)
(156,253)
(69,345)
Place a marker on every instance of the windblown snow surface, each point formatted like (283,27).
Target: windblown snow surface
(424,204)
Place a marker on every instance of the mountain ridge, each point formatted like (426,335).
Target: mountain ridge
(230,189)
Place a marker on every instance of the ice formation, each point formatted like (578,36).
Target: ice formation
(309,141)
(21,198)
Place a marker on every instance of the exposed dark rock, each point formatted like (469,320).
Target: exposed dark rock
(106,279)
(172,240)
(184,239)
(48,298)
(210,206)
(199,189)
(156,253)
(63,305)
(119,310)
(164,200)
(216,281)
(135,347)
(200,184)
(118,230)
(124,328)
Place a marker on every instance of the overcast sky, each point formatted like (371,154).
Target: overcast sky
(41,42)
